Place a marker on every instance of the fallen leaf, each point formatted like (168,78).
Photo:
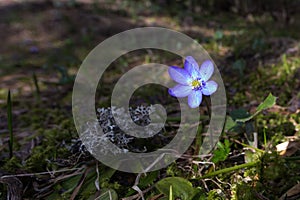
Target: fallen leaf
(292,194)
(288,148)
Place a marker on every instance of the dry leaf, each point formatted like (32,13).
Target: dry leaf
(288,148)
(292,194)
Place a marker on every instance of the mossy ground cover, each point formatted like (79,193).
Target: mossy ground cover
(43,46)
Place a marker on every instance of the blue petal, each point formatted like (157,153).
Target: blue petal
(195,98)
(210,88)
(192,67)
(180,90)
(206,70)
(180,75)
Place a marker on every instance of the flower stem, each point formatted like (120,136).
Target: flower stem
(199,136)
(207,105)
(229,169)
(198,140)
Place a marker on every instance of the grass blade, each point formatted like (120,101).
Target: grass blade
(9,124)
(37,88)
(171,193)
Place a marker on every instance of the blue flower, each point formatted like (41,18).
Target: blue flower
(193,81)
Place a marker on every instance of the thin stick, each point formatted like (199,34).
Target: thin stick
(42,173)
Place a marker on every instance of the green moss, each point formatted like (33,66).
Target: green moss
(239,99)
(260,79)
(65,132)
(42,156)
(245,192)
(173,170)
(38,159)
(11,165)
(275,125)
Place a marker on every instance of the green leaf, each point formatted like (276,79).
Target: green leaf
(267,103)
(181,188)
(222,151)
(229,124)
(89,186)
(70,183)
(145,181)
(218,35)
(105,173)
(239,114)
(200,194)
(252,156)
(108,194)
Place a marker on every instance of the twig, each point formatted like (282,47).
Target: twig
(42,173)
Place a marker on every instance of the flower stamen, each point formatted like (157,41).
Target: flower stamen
(197,84)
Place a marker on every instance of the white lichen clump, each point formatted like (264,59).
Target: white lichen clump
(99,135)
